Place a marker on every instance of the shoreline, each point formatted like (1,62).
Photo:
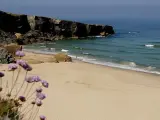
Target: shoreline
(122,67)
(84,91)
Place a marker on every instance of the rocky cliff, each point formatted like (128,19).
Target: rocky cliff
(40,29)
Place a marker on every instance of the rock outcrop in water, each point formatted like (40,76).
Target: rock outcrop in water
(40,29)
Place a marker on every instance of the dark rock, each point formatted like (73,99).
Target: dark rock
(81,30)
(5,56)
(13,23)
(40,29)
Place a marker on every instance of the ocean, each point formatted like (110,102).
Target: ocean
(135,44)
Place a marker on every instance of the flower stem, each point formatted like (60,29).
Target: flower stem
(21,86)
(26,107)
(25,89)
(12,79)
(30,90)
(31,95)
(15,81)
(1,82)
(34,116)
(31,112)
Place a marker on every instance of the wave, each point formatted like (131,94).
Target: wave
(152,46)
(98,36)
(51,49)
(149,45)
(63,50)
(92,49)
(132,64)
(133,32)
(123,65)
(128,66)
(84,53)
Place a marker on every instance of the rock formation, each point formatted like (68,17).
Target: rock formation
(40,29)
(62,57)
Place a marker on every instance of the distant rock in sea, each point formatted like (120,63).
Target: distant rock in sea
(26,29)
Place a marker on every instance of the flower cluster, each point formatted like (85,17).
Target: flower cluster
(20,53)
(24,65)
(29,82)
(12,67)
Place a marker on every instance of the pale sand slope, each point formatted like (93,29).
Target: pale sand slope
(82,91)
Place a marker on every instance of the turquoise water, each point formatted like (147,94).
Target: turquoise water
(136,45)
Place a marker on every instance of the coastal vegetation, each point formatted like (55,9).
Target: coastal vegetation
(21,97)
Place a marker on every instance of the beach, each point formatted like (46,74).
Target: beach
(83,91)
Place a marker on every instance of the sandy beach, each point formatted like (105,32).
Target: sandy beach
(82,91)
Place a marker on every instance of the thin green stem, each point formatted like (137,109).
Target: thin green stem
(31,112)
(31,95)
(21,85)
(34,116)
(26,107)
(12,79)
(0,82)
(25,89)
(15,81)
(30,89)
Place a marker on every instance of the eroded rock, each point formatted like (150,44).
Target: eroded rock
(25,29)
(62,57)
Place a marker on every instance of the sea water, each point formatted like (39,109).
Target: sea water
(135,44)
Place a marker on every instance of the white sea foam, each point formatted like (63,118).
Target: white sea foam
(133,32)
(63,50)
(149,45)
(130,66)
(84,53)
(98,36)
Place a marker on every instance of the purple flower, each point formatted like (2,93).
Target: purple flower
(36,78)
(20,53)
(41,96)
(22,98)
(42,117)
(45,83)
(29,79)
(39,90)
(1,74)
(39,103)
(12,67)
(24,65)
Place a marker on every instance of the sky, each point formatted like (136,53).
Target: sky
(85,9)
(79,2)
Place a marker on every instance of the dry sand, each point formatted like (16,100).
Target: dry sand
(82,91)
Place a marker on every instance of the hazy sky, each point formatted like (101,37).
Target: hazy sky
(85,9)
(78,2)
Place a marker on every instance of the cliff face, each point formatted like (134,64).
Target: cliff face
(35,28)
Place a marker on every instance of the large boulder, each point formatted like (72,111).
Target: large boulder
(62,57)
(12,48)
(5,56)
